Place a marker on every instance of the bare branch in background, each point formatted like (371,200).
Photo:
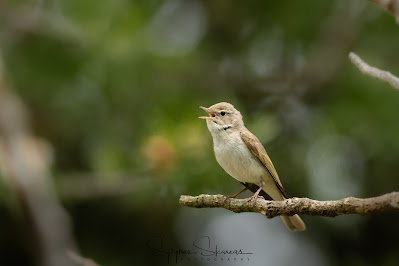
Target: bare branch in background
(25,167)
(384,203)
(392,6)
(374,72)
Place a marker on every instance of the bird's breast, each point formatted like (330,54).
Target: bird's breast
(237,160)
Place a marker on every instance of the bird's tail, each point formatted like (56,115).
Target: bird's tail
(294,223)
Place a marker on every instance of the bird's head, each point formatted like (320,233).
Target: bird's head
(223,117)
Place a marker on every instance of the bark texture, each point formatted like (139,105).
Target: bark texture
(351,205)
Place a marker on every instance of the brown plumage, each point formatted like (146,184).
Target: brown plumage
(242,156)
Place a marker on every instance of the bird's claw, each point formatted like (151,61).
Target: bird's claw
(226,198)
(253,199)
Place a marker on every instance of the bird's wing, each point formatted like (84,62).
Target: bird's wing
(259,151)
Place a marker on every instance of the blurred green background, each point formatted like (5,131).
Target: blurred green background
(114,87)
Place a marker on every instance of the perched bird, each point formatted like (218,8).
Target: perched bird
(241,155)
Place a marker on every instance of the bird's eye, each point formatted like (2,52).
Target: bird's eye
(223,113)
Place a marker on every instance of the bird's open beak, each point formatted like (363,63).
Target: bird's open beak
(211,114)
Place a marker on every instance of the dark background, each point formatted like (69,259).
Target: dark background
(114,88)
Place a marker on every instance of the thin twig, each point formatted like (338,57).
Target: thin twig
(384,203)
(374,72)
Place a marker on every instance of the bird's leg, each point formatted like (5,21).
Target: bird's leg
(255,196)
(235,195)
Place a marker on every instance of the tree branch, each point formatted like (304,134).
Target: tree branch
(374,72)
(384,203)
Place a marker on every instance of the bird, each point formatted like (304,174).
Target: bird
(242,156)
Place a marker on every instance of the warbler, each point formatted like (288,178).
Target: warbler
(242,156)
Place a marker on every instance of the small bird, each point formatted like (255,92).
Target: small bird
(241,155)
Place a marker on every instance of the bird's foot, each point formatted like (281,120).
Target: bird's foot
(234,196)
(253,199)
(256,195)
(227,198)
